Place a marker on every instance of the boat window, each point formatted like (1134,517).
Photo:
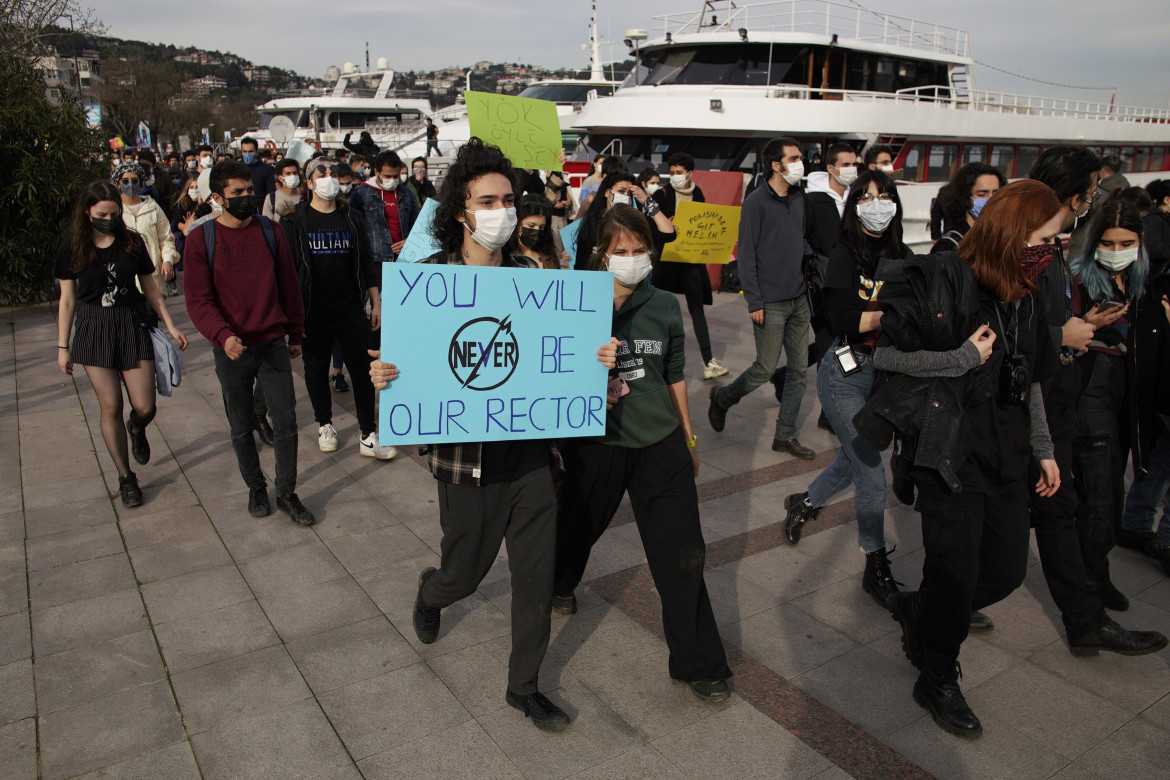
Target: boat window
(884,80)
(1110,151)
(974,153)
(914,163)
(566,93)
(1128,160)
(942,161)
(299,117)
(1003,157)
(1142,161)
(1025,160)
(736,64)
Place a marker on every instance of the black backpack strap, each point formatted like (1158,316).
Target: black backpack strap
(209,242)
(269,234)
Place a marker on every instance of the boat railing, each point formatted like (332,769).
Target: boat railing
(824,17)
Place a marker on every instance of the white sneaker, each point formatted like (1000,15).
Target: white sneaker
(714,369)
(327,438)
(371,449)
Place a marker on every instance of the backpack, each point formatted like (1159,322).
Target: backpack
(729,278)
(265,228)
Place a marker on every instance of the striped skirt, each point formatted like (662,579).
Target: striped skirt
(109,337)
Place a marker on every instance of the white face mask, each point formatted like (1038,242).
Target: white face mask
(205,162)
(794,174)
(652,188)
(847,175)
(216,207)
(876,215)
(493,227)
(1117,260)
(678,181)
(193,193)
(191,165)
(622,199)
(326,188)
(345,188)
(389,184)
(887,168)
(291,181)
(629,271)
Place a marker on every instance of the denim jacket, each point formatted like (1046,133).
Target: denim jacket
(367,200)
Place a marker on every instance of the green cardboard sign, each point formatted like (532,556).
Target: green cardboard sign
(526,130)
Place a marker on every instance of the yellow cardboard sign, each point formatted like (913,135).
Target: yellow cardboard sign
(706,233)
(526,130)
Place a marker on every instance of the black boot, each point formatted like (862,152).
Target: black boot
(1115,639)
(878,581)
(800,511)
(906,609)
(937,689)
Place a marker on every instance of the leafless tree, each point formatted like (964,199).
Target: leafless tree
(25,23)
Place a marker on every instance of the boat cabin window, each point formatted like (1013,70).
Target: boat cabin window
(1128,160)
(973,153)
(300,117)
(1003,157)
(942,162)
(565,93)
(1142,160)
(360,120)
(732,64)
(914,162)
(1026,156)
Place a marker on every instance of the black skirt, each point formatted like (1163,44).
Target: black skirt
(109,337)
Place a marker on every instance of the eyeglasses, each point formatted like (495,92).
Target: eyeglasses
(128,181)
(868,198)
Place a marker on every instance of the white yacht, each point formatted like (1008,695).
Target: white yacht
(720,83)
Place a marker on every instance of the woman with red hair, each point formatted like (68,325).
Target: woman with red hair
(967,345)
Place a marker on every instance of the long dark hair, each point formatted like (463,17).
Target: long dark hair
(852,233)
(535,206)
(474,159)
(620,219)
(83,253)
(954,198)
(1120,210)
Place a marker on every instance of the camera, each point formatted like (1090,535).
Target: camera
(1013,380)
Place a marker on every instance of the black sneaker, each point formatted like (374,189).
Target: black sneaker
(980,622)
(716,414)
(877,580)
(799,513)
(128,487)
(264,428)
(258,502)
(564,605)
(339,383)
(545,715)
(426,619)
(793,447)
(297,512)
(139,446)
(1115,639)
(172,288)
(714,691)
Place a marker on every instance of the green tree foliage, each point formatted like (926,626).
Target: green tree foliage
(47,153)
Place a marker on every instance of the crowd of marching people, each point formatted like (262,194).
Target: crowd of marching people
(1004,383)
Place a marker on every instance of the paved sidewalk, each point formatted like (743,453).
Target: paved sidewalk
(185,639)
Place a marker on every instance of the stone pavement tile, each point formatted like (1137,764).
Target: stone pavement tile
(642,694)
(352,517)
(69,517)
(382,712)
(734,597)
(281,572)
(1159,713)
(478,675)
(641,762)
(1050,710)
(107,730)
(844,606)
(1137,749)
(293,741)
(13,591)
(1000,752)
(179,555)
(428,530)
(18,700)
(1075,772)
(787,640)
(213,636)
(56,419)
(80,623)
(249,537)
(836,546)
(350,654)
(1148,618)
(376,548)
(595,735)
(1132,571)
(865,687)
(70,469)
(318,607)
(1022,627)
(740,742)
(461,752)
(76,676)
(832,773)
(787,572)
(191,594)
(79,581)
(238,687)
(12,526)
(1157,595)
(143,530)
(64,492)
(1128,682)
(176,762)
(393,587)
(18,750)
(12,556)
(15,639)
(600,638)
(72,546)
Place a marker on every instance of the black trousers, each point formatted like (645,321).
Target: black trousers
(693,293)
(1098,460)
(353,333)
(976,549)
(475,521)
(265,365)
(1057,540)
(666,508)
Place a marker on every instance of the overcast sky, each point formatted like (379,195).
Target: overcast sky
(1123,43)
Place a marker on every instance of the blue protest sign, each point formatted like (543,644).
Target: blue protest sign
(569,239)
(493,354)
(420,244)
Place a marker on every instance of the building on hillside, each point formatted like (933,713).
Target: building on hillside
(69,75)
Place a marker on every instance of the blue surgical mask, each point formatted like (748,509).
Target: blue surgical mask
(249,158)
(977,205)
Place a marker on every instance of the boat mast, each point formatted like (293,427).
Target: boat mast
(710,7)
(596,72)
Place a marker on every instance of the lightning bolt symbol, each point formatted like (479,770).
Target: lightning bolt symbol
(505,326)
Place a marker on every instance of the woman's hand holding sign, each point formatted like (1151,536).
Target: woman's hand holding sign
(381,374)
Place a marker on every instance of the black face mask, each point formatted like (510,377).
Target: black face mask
(241,207)
(105,226)
(530,236)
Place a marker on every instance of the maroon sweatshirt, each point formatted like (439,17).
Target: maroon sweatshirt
(247,295)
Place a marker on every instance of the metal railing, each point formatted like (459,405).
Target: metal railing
(824,17)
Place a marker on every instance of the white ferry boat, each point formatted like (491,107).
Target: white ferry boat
(720,83)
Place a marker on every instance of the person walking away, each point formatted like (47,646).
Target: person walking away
(98,267)
(244,297)
(771,250)
(1157,226)
(365,147)
(146,218)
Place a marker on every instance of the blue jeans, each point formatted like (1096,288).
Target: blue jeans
(857,462)
(785,325)
(1141,505)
